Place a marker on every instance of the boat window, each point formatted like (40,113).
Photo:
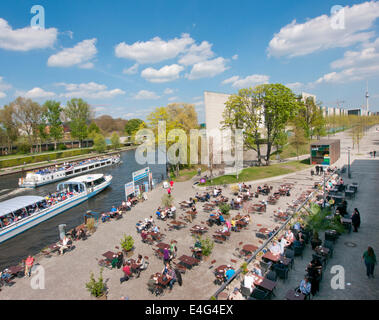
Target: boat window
(99,181)
(90,167)
(103,163)
(97,165)
(76,171)
(84,169)
(68,173)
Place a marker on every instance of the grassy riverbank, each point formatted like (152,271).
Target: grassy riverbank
(257,173)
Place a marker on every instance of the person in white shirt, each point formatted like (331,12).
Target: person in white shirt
(248,282)
(257,270)
(215,192)
(289,235)
(64,245)
(275,248)
(283,243)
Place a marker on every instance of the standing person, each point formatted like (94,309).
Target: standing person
(28,265)
(370,261)
(171,184)
(356,220)
(374,152)
(317,169)
(169,191)
(166,256)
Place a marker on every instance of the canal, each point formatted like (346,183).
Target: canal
(37,238)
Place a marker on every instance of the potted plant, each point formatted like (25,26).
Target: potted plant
(235,189)
(97,288)
(127,244)
(225,208)
(244,268)
(167,201)
(90,225)
(206,247)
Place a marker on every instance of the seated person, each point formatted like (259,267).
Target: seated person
(171,275)
(156,229)
(225,229)
(141,263)
(127,272)
(290,236)
(82,234)
(233,224)
(236,295)
(257,270)
(207,196)
(158,213)
(64,245)
(128,205)
(229,272)
(221,219)
(305,286)
(275,248)
(248,282)
(143,235)
(5,276)
(105,217)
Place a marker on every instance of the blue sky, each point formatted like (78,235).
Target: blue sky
(127,57)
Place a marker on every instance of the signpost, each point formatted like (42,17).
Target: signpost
(139,175)
(129,189)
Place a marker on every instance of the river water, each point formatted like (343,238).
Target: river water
(34,240)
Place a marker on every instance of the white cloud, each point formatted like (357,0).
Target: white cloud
(173,99)
(164,74)
(355,65)
(197,53)
(129,115)
(198,103)
(146,95)
(208,69)
(154,50)
(247,82)
(235,57)
(4,86)
(27,38)
(36,93)
(168,91)
(132,70)
(320,33)
(90,90)
(78,55)
(2,95)
(295,85)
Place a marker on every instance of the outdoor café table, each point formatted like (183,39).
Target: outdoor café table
(349,194)
(199,229)
(158,277)
(133,265)
(265,231)
(322,251)
(276,258)
(109,255)
(163,245)
(264,283)
(154,235)
(220,270)
(223,234)
(249,248)
(15,270)
(188,261)
(293,295)
(347,222)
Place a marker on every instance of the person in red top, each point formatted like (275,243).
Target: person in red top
(171,183)
(28,265)
(127,272)
(169,191)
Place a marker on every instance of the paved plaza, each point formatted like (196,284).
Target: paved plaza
(65,276)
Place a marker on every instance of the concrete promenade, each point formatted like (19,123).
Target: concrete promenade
(65,276)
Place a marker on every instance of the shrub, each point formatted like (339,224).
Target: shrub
(244,268)
(62,147)
(97,288)
(206,246)
(167,200)
(127,243)
(225,208)
(23,147)
(90,224)
(235,188)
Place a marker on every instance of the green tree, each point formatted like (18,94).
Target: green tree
(298,139)
(279,106)
(93,129)
(79,114)
(99,143)
(9,125)
(115,140)
(28,115)
(52,114)
(243,111)
(132,126)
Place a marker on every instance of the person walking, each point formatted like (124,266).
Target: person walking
(317,170)
(356,220)
(370,261)
(374,152)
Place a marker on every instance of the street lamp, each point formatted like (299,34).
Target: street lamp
(348,159)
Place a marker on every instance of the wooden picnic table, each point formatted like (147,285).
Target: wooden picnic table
(322,251)
(163,246)
(15,270)
(264,283)
(109,255)
(249,248)
(158,277)
(188,261)
(264,231)
(293,295)
(221,269)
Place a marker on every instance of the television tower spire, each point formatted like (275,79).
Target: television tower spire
(367,96)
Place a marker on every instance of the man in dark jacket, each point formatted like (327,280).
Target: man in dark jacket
(356,220)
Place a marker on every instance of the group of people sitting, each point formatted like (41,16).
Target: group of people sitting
(264,190)
(118,261)
(163,214)
(114,213)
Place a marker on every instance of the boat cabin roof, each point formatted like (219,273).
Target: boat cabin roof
(86,178)
(17,203)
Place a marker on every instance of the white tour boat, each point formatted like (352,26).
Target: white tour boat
(44,176)
(22,213)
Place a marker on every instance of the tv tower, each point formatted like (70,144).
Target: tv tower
(367,96)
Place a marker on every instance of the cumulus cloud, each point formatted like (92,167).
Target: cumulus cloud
(197,53)
(3,85)
(235,57)
(168,91)
(2,95)
(355,65)
(164,74)
(208,68)
(154,50)
(321,33)
(27,38)
(90,90)
(295,85)
(146,95)
(78,55)
(173,99)
(249,81)
(132,70)
(36,93)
